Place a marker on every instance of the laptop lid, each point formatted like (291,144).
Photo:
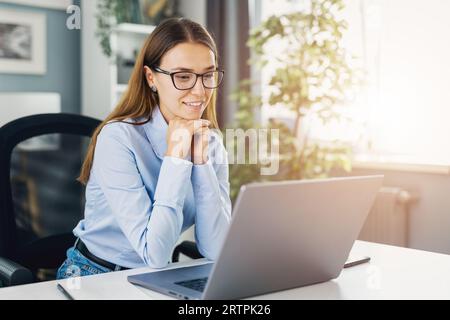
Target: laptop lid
(289,234)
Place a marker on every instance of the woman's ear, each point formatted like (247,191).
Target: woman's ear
(149,76)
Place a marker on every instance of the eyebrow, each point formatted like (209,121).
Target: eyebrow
(192,70)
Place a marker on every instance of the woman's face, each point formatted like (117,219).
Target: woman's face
(186,104)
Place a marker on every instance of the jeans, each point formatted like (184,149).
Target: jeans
(77,265)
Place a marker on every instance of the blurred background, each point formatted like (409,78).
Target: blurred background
(355,87)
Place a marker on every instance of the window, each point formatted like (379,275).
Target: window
(404,45)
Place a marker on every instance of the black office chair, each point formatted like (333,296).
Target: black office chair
(40,200)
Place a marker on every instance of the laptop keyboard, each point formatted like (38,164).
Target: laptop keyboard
(194,284)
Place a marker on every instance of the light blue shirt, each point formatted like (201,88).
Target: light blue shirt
(139,201)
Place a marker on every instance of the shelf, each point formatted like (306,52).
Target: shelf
(135,28)
(126,41)
(121,87)
(403,164)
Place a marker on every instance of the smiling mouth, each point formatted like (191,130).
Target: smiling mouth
(197,104)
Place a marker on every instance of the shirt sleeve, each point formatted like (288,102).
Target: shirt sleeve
(212,201)
(153,228)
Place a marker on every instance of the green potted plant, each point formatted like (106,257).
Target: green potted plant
(312,76)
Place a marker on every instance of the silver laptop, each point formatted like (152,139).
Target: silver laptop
(282,235)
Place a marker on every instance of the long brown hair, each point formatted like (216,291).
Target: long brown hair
(139,101)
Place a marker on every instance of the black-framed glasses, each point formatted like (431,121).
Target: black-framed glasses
(186,80)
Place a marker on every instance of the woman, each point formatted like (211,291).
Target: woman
(152,169)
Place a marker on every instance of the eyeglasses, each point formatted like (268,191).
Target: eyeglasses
(184,80)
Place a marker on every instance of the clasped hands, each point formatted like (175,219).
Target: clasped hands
(186,137)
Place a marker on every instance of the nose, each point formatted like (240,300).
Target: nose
(198,88)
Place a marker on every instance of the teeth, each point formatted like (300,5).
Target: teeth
(193,104)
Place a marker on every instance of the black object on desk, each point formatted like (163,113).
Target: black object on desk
(353,261)
(64,292)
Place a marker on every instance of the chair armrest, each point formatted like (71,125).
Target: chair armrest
(188,248)
(12,273)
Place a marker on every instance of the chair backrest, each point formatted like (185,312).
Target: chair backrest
(40,199)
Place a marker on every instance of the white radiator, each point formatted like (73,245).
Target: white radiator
(388,219)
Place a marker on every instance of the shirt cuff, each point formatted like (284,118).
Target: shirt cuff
(204,179)
(173,182)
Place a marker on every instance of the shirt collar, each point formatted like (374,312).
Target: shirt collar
(156,131)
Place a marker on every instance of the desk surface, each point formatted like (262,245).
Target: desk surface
(393,273)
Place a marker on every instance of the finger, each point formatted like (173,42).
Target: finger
(205,130)
(200,139)
(199,131)
(200,124)
(201,136)
(205,134)
(203,122)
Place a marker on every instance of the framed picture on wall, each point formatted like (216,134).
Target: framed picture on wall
(22,42)
(51,4)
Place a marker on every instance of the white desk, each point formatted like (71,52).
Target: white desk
(393,273)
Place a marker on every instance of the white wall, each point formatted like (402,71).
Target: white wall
(429,217)
(95,71)
(15,105)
